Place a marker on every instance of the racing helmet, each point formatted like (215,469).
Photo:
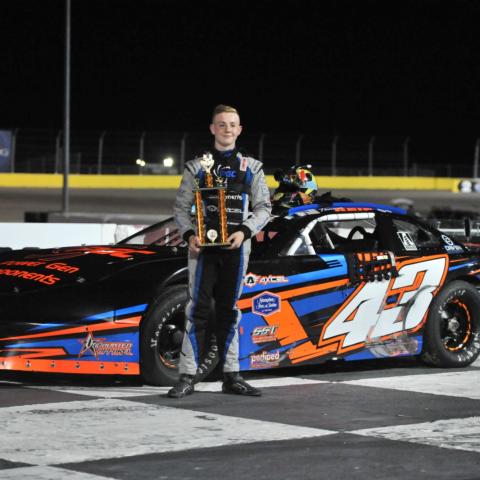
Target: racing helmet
(297,186)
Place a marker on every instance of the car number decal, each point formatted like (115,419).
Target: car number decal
(380,309)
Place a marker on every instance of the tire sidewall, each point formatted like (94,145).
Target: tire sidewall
(434,351)
(170,303)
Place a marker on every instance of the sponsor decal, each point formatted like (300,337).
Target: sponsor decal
(243,164)
(17,263)
(453,248)
(99,346)
(450,245)
(228,173)
(79,252)
(46,279)
(251,280)
(62,267)
(233,196)
(265,359)
(34,276)
(407,241)
(265,333)
(266,304)
(447,240)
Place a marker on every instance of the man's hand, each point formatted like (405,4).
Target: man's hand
(194,244)
(235,239)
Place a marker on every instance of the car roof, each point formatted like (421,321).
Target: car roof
(339,207)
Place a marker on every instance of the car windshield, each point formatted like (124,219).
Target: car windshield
(163,234)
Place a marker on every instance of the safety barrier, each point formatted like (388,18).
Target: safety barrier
(31,180)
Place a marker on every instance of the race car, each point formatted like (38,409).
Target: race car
(349,281)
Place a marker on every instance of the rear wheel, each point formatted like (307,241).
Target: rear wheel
(161,337)
(452,332)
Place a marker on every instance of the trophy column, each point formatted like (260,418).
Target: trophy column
(211,221)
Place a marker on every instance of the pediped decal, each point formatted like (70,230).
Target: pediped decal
(251,280)
(265,359)
(267,303)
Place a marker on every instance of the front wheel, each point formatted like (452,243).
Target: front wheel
(161,337)
(452,332)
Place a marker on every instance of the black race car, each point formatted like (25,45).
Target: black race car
(344,281)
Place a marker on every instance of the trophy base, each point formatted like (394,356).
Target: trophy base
(224,244)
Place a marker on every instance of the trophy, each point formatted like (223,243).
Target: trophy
(210,207)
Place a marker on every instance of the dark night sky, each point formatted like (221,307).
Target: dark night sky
(362,67)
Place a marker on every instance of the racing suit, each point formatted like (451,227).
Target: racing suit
(216,274)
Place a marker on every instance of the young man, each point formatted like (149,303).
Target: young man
(216,273)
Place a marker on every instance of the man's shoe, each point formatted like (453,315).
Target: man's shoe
(183,387)
(234,383)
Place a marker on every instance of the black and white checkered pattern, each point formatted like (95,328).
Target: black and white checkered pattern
(404,421)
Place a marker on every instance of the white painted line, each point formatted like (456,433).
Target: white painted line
(458,434)
(78,431)
(262,383)
(10,382)
(108,392)
(454,384)
(47,473)
(125,392)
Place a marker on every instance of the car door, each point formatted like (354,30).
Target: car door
(394,285)
(288,297)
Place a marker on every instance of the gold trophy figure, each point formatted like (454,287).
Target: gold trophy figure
(211,219)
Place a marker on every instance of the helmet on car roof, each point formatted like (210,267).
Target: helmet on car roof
(296,187)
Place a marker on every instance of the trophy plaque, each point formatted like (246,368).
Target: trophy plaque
(210,207)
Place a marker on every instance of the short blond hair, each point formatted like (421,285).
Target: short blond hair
(223,109)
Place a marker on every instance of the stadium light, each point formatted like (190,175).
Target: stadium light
(168,162)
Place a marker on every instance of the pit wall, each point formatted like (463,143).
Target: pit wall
(45,180)
(54,235)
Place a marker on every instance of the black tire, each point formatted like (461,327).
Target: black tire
(161,337)
(452,333)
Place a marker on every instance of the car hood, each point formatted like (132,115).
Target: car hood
(26,270)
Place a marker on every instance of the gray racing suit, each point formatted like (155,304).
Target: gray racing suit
(216,274)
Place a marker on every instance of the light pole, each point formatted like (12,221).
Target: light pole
(66,118)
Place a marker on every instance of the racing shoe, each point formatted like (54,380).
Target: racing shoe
(183,387)
(234,383)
